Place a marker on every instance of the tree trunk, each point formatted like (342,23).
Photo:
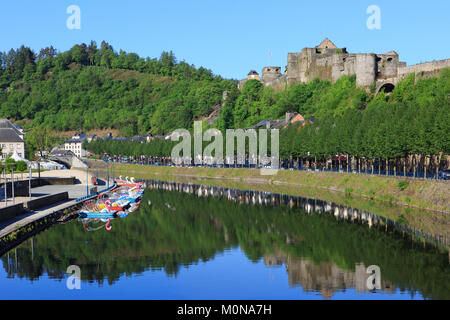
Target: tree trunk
(418,159)
(378,167)
(395,167)
(438,164)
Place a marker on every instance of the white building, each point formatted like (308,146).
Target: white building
(11,139)
(75,144)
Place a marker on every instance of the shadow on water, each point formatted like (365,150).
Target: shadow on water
(320,247)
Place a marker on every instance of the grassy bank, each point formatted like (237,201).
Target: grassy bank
(416,193)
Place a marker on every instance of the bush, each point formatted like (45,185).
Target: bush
(402,185)
(402,220)
(21,166)
(10,164)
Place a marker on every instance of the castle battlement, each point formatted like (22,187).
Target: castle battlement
(328,62)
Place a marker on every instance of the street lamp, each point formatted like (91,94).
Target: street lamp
(107,172)
(29,181)
(11,165)
(112,170)
(87,179)
(5,185)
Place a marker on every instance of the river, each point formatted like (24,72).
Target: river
(186,245)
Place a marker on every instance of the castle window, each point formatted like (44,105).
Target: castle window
(389,59)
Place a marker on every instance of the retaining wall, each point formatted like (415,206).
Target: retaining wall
(47,200)
(11,212)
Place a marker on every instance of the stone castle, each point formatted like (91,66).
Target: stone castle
(328,62)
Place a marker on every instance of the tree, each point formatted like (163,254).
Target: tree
(40,140)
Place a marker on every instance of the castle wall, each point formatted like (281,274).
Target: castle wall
(308,65)
(424,67)
(333,63)
(294,70)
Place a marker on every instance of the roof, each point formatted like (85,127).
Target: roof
(108,136)
(9,135)
(290,116)
(61,152)
(16,157)
(139,138)
(120,139)
(82,136)
(253,72)
(6,124)
(391,53)
(327,44)
(268,123)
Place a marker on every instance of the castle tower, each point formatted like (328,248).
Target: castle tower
(270,74)
(253,75)
(365,67)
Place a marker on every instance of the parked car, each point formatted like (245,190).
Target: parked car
(444,174)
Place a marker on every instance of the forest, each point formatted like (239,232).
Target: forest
(88,88)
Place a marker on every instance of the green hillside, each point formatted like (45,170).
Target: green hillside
(96,88)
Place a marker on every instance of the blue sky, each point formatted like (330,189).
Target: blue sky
(210,280)
(231,37)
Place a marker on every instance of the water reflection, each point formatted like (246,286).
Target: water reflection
(307,204)
(325,278)
(173,230)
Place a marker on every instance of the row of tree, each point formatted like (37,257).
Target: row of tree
(22,62)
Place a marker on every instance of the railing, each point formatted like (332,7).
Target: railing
(95,194)
(290,166)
